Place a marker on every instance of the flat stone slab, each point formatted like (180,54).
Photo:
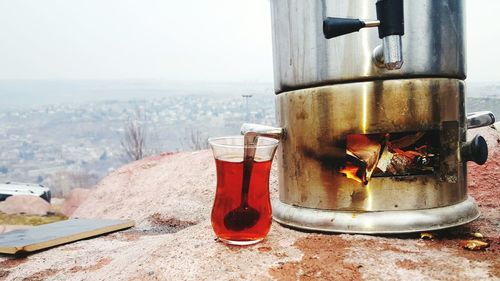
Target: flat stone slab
(170,197)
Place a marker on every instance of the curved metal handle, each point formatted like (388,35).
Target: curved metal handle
(480,119)
(263,130)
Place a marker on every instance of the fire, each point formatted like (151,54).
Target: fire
(352,172)
(387,154)
(363,153)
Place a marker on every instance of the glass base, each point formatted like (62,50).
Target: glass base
(240,243)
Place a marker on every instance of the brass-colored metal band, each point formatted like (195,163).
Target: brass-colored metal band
(317,120)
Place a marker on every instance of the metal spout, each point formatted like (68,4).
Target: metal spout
(393,52)
(390,14)
(389,55)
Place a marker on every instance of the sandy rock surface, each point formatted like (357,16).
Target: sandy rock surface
(74,200)
(25,204)
(170,198)
(179,186)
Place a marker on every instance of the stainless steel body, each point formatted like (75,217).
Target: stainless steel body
(433,44)
(317,121)
(336,92)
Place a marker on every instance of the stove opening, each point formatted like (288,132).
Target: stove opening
(390,154)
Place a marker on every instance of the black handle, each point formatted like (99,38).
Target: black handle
(333,27)
(390,15)
(475,150)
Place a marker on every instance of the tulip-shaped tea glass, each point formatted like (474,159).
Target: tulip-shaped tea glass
(242,214)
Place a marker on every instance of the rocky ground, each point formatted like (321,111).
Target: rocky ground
(170,196)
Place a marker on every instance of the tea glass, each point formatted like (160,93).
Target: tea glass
(228,153)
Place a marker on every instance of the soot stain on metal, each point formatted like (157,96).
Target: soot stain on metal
(359,196)
(301,115)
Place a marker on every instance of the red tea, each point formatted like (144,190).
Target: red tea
(228,198)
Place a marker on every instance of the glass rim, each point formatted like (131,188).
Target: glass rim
(211,141)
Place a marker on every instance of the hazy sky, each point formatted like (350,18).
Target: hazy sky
(214,40)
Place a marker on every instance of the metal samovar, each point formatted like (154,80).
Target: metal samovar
(372,124)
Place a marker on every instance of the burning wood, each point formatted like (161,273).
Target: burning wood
(418,160)
(392,154)
(364,152)
(407,140)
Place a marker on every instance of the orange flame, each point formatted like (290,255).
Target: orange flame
(351,172)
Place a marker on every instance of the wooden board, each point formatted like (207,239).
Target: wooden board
(53,234)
